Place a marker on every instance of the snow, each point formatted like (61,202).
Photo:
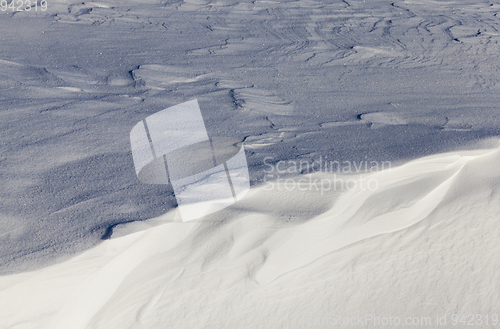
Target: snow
(428,248)
(85,244)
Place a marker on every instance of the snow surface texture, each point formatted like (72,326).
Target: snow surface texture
(344,80)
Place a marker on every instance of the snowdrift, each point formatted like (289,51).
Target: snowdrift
(423,243)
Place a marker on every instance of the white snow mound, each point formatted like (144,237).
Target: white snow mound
(416,245)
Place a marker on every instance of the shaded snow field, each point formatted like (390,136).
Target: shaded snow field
(299,80)
(84,244)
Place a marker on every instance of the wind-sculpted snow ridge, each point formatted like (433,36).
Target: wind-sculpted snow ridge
(423,242)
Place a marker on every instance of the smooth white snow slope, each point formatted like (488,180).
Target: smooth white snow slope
(424,243)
